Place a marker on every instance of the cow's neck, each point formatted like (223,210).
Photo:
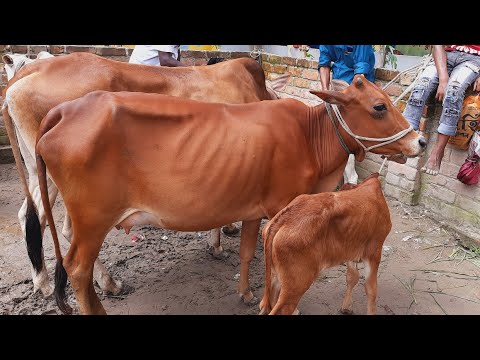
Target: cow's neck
(330,156)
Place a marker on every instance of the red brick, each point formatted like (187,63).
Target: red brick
(56,49)
(295,71)
(110,51)
(274,59)
(289,61)
(75,48)
(188,61)
(394,90)
(35,49)
(267,66)
(199,62)
(239,54)
(19,49)
(304,63)
(310,74)
(302,83)
(279,69)
(385,74)
(197,54)
(270,76)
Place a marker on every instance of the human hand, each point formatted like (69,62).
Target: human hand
(476,85)
(441,90)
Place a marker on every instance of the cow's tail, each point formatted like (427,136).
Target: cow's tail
(33,232)
(265,305)
(60,274)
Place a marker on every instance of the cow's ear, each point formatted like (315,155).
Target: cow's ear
(331,97)
(7,59)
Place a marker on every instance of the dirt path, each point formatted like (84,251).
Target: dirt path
(173,273)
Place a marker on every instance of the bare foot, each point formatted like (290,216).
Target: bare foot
(432,167)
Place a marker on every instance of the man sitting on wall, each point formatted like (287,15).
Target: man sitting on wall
(452,70)
(160,55)
(345,61)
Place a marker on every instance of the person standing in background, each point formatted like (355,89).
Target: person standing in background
(159,55)
(345,61)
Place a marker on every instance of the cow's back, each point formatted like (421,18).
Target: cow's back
(163,149)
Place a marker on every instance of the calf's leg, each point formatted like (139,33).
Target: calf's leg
(352,280)
(371,271)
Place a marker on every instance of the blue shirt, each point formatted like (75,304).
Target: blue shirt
(348,60)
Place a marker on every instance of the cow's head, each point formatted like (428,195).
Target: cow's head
(14,62)
(369,113)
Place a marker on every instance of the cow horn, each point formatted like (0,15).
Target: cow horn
(359,81)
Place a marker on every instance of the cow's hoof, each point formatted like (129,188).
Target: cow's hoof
(249,299)
(230,230)
(114,287)
(346,311)
(218,253)
(46,290)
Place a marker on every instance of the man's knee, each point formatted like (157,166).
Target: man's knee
(417,98)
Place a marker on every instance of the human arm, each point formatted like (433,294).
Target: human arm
(166,59)
(440,58)
(476,85)
(324,64)
(362,58)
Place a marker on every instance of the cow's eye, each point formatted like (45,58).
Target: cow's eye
(380,107)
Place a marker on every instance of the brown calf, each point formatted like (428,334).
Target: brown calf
(316,232)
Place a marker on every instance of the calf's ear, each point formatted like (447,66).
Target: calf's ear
(331,97)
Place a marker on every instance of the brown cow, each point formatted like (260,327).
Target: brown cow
(316,232)
(43,84)
(249,160)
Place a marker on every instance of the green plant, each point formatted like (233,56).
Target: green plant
(389,56)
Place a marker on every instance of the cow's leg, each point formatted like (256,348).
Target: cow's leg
(78,264)
(100,273)
(248,243)
(352,280)
(371,271)
(215,243)
(40,279)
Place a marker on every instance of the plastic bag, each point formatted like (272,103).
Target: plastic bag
(467,122)
(469,172)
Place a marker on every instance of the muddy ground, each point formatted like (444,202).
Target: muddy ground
(171,272)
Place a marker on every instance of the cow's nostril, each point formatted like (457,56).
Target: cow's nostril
(422,142)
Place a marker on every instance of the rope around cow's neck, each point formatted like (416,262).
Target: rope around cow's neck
(357,138)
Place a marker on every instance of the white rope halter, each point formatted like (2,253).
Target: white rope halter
(385,141)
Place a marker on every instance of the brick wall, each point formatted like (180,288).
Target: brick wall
(304,76)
